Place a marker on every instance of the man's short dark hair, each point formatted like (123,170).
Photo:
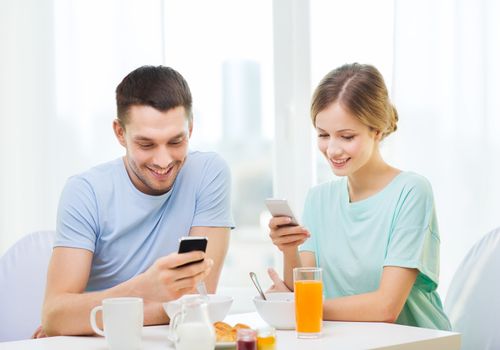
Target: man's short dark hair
(160,87)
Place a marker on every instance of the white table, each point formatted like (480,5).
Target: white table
(336,335)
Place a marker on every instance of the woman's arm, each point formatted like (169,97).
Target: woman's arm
(383,305)
(288,238)
(306,259)
(293,260)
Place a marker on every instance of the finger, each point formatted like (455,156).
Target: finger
(35,333)
(175,260)
(290,239)
(190,282)
(292,244)
(275,277)
(194,269)
(271,289)
(289,230)
(277,221)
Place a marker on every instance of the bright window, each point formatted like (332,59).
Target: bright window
(224,50)
(346,32)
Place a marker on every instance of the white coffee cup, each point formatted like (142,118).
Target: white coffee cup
(122,321)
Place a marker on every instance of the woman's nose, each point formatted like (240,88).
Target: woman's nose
(333,149)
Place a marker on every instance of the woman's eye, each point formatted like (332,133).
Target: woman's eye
(322,135)
(348,138)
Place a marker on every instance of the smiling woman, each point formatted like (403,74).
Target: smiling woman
(374,232)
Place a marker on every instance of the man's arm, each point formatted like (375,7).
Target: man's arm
(218,243)
(67,306)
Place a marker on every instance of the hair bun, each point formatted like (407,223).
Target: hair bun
(393,121)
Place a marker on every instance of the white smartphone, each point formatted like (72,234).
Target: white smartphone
(280,207)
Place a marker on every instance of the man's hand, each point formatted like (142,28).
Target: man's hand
(278,284)
(165,280)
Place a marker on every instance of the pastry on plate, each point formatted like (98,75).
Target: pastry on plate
(225,333)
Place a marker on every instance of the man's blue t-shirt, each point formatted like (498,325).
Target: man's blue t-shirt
(102,211)
(353,242)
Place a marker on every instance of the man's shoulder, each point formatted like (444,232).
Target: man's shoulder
(204,158)
(102,170)
(201,163)
(98,176)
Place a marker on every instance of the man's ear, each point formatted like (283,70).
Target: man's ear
(190,129)
(119,132)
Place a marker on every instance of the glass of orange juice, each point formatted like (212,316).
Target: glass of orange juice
(308,287)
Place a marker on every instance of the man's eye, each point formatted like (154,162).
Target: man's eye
(145,145)
(176,142)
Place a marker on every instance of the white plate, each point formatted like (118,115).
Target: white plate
(225,345)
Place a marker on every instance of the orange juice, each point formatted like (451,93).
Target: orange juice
(266,338)
(266,343)
(308,306)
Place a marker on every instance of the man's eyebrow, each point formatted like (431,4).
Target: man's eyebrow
(179,135)
(145,138)
(141,138)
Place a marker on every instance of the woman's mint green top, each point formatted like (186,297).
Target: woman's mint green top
(353,242)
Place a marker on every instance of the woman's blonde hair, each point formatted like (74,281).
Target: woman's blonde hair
(361,90)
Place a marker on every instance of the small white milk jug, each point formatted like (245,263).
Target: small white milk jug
(191,328)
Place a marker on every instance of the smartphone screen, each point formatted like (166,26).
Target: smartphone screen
(280,207)
(189,244)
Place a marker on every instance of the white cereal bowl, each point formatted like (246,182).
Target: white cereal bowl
(278,310)
(218,306)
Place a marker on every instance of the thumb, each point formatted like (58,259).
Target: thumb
(278,282)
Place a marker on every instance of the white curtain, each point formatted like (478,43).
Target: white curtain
(446,87)
(60,62)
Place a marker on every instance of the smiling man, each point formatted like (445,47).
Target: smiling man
(119,223)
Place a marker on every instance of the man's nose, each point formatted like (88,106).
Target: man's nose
(162,158)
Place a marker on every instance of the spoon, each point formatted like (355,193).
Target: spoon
(256,283)
(202,290)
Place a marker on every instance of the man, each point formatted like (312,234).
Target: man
(119,223)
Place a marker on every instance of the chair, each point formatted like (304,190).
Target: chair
(473,299)
(23,273)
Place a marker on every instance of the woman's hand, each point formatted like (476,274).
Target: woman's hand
(287,238)
(278,284)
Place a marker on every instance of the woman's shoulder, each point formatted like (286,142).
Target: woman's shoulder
(409,182)
(410,178)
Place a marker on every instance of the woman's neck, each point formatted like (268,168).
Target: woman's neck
(370,179)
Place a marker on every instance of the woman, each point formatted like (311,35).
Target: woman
(374,232)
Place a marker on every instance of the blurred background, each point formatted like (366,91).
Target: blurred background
(252,66)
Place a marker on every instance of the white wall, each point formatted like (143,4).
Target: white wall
(57,79)
(27,109)
(446,88)
(60,62)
